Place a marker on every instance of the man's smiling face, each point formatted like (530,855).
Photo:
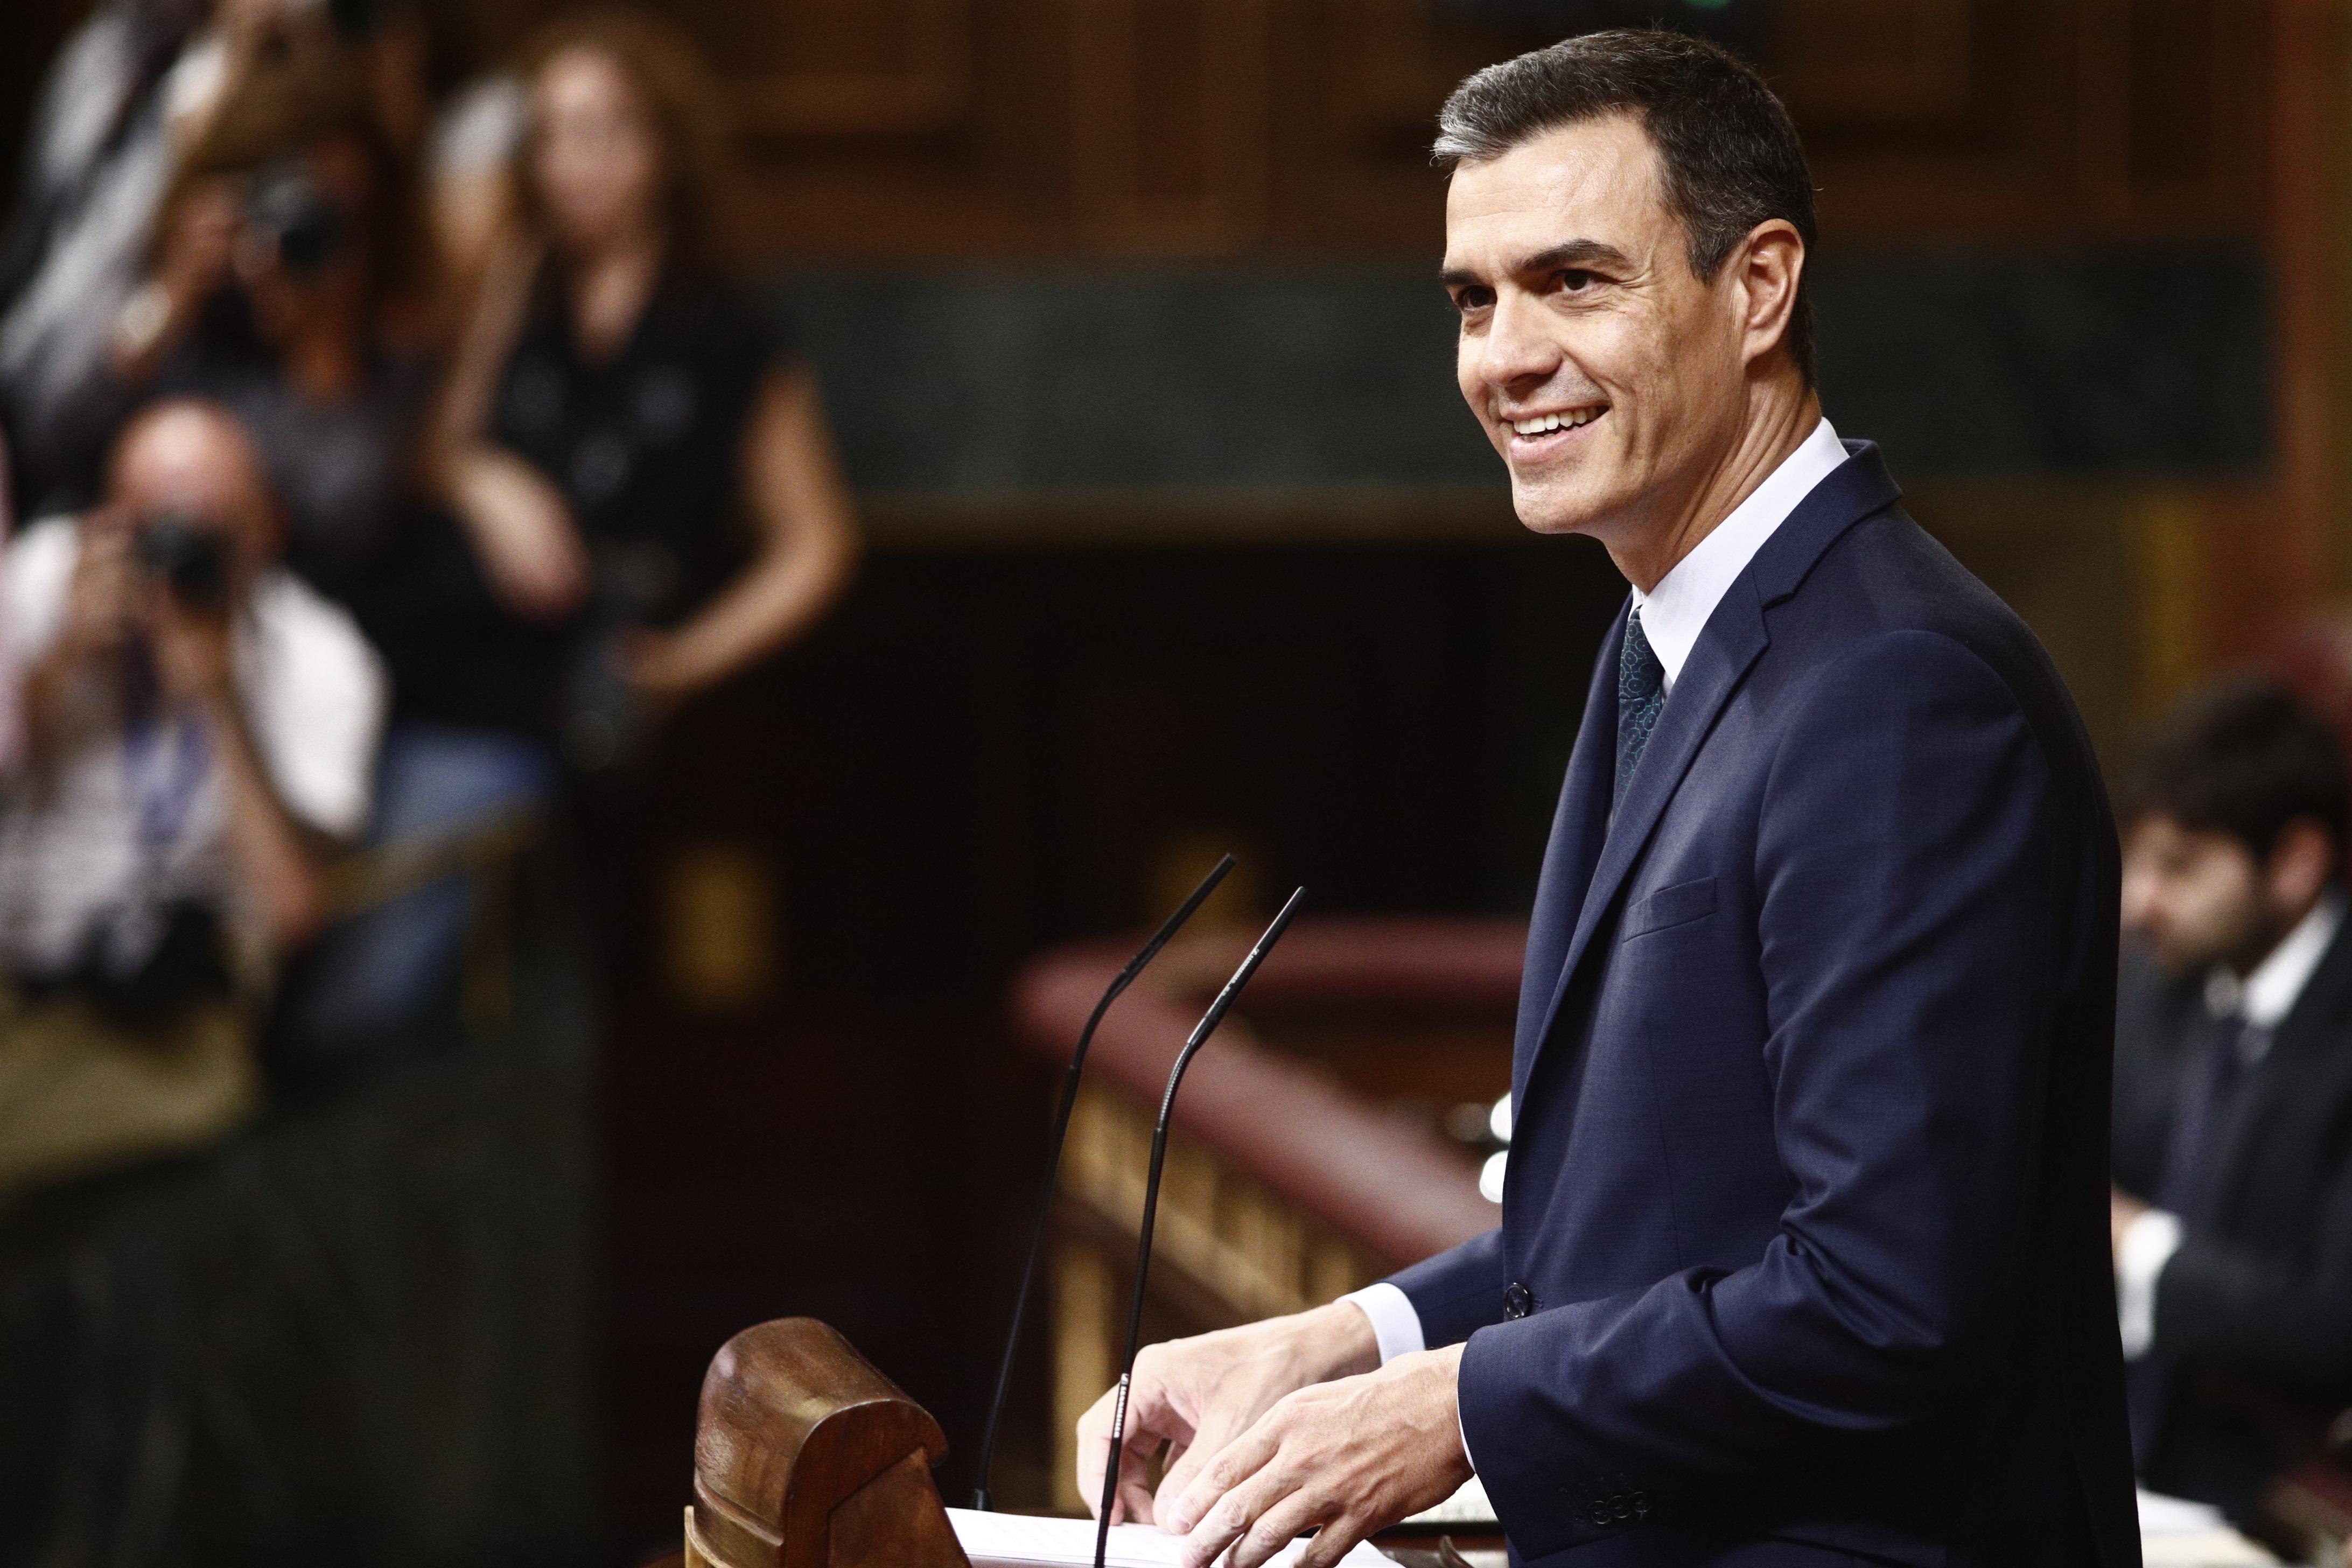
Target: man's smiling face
(1605,370)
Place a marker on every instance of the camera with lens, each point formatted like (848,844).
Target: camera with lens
(190,560)
(304,227)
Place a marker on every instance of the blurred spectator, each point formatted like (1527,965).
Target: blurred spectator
(293,243)
(140,84)
(2232,1213)
(469,180)
(616,405)
(202,728)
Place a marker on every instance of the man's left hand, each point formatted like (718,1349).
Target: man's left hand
(1353,1455)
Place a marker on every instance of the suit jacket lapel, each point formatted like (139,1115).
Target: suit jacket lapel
(1577,831)
(1734,637)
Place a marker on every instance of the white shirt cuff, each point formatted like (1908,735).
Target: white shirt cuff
(2147,1245)
(1395,1325)
(1396,1329)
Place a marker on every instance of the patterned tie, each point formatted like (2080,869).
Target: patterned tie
(1640,692)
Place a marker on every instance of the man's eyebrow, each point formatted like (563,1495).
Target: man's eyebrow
(1570,255)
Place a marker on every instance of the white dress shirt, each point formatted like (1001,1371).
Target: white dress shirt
(1673,614)
(1676,611)
(2264,1000)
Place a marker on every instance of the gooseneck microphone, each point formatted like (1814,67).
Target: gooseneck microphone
(1192,1044)
(1126,977)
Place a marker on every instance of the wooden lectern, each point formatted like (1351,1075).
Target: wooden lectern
(806,1457)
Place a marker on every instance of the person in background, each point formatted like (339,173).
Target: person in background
(202,732)
(140,84)
(293,237)
(618,410)
(2232,1154)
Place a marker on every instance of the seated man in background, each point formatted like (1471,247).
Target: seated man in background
(2234,1096)
(200,728)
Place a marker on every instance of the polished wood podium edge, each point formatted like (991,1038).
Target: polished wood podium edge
(805,1455)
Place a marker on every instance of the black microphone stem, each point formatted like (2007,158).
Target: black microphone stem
(1126,977)
(1200,1036)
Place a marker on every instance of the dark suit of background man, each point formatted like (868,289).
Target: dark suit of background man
(2232,1213)
(1804,1252)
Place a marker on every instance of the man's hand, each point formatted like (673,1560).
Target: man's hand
(1352,1456)
(2122,1209)
(101,601)
(1196,1396)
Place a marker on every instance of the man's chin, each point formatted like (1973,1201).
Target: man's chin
(1554,503)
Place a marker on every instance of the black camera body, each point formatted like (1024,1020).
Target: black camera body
(190,560)
(305,228)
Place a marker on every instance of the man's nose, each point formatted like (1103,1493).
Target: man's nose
(1520,351)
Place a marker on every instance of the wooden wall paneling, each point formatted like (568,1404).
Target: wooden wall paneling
(937,129)
(896,130)
(2171,124)
(853,67)
(2306,213)
(1168,124)
(1355,174)
(1873,64)
(2094,120)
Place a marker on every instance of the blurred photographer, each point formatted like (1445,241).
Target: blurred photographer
(297,254)
(84,287)
(202,729)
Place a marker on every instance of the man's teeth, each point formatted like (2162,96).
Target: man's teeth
(1551,422)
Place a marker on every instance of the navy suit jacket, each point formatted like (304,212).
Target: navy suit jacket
(1804,1245)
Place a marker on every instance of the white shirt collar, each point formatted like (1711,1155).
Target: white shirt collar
(2271,992)
(1676,611)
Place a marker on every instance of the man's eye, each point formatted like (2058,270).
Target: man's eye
(1474,299)
(1576,280)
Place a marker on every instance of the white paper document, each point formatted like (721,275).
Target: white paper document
(1013,1538)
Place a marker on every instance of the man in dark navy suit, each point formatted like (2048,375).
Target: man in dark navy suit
(1804,1253)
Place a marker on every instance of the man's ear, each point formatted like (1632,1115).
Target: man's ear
(1768,268)
(2302,860)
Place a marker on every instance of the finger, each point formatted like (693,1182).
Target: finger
(1238,1460)
(1338,1536)
(1289,1518)
(1219,1426)
(1133,1505)
(1153,1402)
(1133,1501)
(1231,1518)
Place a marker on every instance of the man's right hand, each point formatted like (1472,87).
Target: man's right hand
(102,599)
(1196,1396)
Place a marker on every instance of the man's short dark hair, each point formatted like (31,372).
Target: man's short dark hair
(1728,149)
(2244,757)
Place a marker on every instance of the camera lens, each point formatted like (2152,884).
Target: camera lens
(190,560)
(306,227)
